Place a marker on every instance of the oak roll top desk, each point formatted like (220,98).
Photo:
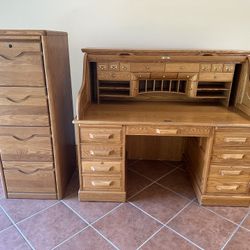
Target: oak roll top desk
(202,96)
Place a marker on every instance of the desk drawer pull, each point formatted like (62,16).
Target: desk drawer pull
(101,168)
(101,183)
(167,131)
(100,136)
(227,188)
(235,139)
(17,100)
(232,156)
(101,152)
(231,172)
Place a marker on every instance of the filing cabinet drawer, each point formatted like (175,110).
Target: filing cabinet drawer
(23,70)
(109,75)
(232,139)
(182,67)
(231,155)
(230,172)
(33,148)
(103,151)
(223,187)
(103,167)
(215,77)
(105,183)
(168,130)
(35,181)
(101,135)
(147,67)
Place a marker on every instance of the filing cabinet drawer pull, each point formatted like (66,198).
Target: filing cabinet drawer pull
(100,136)
(232,156)
(235,139)
(230,172)
(101,152)
(227,188)
(18,101)
(101,169)
(101,183)
(167,131)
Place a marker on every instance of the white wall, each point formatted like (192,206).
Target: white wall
(159,24)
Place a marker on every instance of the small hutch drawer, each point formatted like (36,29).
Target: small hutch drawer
(182,67)
(147,67)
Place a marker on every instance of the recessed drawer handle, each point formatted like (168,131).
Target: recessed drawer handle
(18,101)
(11,58)
(101,169)
(230,172)
(23,139)
(101,152)
(232,156)
(167,131)
(29,172)
(100,136)
(235,139)
(101,183)
(227,188)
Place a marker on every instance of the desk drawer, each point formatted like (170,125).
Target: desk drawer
(113,135)
(23,181)
(224,187)
(230,137)
(168,130)
(113,76)
(215,77)
(101,151)
(147,67)
(105,183)
(182,67)
(234,155)
(101,167)
(233,173)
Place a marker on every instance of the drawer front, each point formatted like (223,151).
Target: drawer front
(23,70)
(34,148)
(109,75)
(101,183)
(27,167)
(20,181)
(217,67)
(139,76)
(231,155)
(230,173)
(168,130)
(101,167)
(101,135)
(232,139)
(164,75)
(14,48)
(214,77)
(103,151)
(215,186)
(228,68)
(147,67)
(124,66)
(205,67)
(186,75)
(182,67)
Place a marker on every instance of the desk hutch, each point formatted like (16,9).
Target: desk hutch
(199,96)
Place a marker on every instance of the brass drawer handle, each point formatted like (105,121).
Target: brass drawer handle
(101,168)
(101,183)
(227,188)
(232,156)
(231,172)
(101,152)
(17,101)
(235,139)
(100,136)
(167,131)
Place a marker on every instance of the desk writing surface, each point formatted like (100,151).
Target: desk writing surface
(163,113)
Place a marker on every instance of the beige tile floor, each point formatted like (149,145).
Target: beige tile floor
(161,213)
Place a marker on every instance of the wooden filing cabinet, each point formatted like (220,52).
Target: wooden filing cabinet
(36,134)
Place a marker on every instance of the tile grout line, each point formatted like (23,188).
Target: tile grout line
(234,232)
(6,228)
(90,225)
(18,229)
(44,209)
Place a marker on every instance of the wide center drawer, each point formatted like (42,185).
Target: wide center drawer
(25,144)
(25,69)
(182,67)
(169,130)
(101,151)
(101,134)
(101,167)
(147,67)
